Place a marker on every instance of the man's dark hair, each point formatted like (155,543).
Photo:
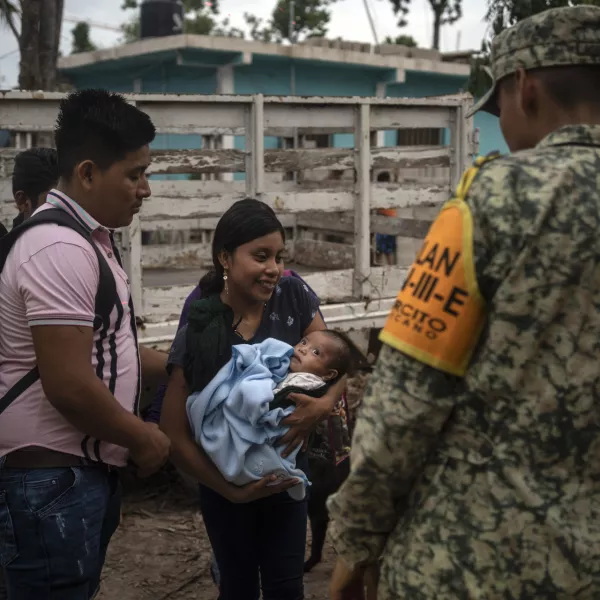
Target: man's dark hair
(569,86)
(349,359)
(99,126)
(35,171)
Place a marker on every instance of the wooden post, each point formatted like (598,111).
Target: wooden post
(258,149)
(132,261)
(255,147)
(249,149)
(466,135)
(456,143)
(362,202)
(131,242)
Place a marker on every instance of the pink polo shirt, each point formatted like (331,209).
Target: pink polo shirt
(51,278)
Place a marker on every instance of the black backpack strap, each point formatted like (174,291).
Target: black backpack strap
(106,294)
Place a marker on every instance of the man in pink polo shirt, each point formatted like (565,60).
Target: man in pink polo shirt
(65,431)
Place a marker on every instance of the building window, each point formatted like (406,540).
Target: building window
(316,140)
(420,137)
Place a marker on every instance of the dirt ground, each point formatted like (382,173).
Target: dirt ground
(161,550)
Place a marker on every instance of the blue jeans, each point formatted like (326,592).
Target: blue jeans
(55,526)
(257,545)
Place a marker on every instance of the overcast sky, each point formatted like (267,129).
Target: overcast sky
(348,22)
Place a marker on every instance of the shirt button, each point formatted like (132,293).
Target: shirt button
(128,282)
(110,255)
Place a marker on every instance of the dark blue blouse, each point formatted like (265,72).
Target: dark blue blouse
(287,315)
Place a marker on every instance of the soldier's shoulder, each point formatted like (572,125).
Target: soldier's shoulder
(500,175)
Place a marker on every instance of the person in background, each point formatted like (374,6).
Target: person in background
(475,463)
(35,173)
(71,426)
(385,245)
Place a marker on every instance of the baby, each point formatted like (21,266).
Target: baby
(319,359)
(237,418)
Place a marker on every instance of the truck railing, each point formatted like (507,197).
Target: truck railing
(353,297)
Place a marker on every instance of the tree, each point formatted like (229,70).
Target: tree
(401,40)
(500,15)
(198,19)
(224,29)
(259,30)
(81,39)
(310,19)
(38,39)
(445,12)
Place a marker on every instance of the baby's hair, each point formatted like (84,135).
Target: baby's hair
(349,359)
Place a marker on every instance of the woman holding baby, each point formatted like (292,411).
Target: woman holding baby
(258,532)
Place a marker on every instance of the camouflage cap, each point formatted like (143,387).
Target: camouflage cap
(553,38)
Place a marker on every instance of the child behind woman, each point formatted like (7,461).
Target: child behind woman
(236,418)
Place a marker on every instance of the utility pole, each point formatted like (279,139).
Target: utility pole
(371,23)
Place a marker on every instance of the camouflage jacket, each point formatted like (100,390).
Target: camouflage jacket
(488,486)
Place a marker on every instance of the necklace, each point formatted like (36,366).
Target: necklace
(235,327)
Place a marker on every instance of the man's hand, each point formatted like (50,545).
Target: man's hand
(151,450)
(346,584)
(260,489)
(308,414)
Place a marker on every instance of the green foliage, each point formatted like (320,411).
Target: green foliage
(500,15)
(188,5)
(224,29)
(401,40)
(445,12)
(311,18)
(505,13)
(479,81)
(199,23)
(81,39)
(130,31)
(199,19)
(260,30)
(9,15)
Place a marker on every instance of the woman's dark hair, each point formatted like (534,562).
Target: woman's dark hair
(35,172)
(349,359)
(245,221)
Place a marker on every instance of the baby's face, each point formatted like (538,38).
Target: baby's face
(314,354)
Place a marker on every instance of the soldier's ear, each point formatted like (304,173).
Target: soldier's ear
(527,89)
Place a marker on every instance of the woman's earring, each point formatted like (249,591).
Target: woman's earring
(225,282)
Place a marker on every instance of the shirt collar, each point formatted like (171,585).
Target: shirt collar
(60,200)
(582,135)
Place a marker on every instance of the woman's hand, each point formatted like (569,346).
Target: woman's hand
(308,414)
(259,489)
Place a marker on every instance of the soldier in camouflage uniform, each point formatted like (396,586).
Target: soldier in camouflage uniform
(476,457)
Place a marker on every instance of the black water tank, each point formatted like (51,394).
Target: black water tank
(160,18)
